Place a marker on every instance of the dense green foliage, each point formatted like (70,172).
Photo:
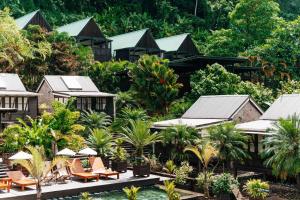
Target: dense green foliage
(216,80)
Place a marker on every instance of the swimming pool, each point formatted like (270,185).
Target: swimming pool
(149,193)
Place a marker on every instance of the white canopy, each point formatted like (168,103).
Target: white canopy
(66,152)
(21,155)
(88,151)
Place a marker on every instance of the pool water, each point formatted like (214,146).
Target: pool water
(151,193)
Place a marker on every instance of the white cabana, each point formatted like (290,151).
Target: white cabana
(66,152)
(21,155)
(88,152)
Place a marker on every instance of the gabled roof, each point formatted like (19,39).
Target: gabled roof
(57,83)
(128,40)
(74,29)
(286,105)
(171,43)
(217,107)
(11,82)
(23,21)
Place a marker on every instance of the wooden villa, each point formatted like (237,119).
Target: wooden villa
(285,106)
(88,33)
(33,18)
(86,94)
(15,101)
(130,46)
(177,46)
(209,111)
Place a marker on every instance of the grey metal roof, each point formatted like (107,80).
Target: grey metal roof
(171,43)
(257,127)
(127,40)
(73,29)
(57,84)
(12,82)
(24,20)
(286,105)
(85,94)
(216,107)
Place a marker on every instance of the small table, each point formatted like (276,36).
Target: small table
(107,173)
(5,183)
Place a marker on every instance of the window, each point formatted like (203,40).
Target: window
(101,104)
(25,104)
(78,102)
(20,103)
(7,102)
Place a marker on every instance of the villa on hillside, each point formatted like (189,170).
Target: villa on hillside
(177,46)
(88,33)
(130,46)
(208,111)
(285,106)
(33,18)
(86,94)
(15,101)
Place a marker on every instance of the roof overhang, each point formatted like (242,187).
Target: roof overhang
(194,123)
(18,93)
(258,127)
(83,94)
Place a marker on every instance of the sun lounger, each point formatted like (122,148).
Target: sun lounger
(19,179)
(62,173)
(78,171)
(99,168)
(5,184)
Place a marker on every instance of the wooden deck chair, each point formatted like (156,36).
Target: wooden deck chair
(50,175)
(99,168)
(78,171)
(19,179)
(62,173)
(5,184)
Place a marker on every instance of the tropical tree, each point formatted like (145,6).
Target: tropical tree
(205,152)
(138,134)
(230,143)
(128,114)
(282,148)
(37,166)
(176,138)
(101,140)
(93,120)
(155,83)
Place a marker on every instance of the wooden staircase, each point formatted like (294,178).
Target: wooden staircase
(3,169)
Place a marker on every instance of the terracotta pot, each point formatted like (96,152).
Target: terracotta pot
(119,165)
(141,169)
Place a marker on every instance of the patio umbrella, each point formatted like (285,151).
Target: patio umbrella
(21,155)
(88,151)
(66,152)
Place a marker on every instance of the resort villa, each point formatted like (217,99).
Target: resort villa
(286,105)
(177,46)
(208,111)
(33,18)
(15,101)
(130,46)
(88,33)
(82,88)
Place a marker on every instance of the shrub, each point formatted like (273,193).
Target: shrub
(224,183)
(182,173)
(257,189)
(170,166)
(131,192)
(170,190)
(204,178)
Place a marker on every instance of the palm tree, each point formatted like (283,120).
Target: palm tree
(230,143)
(177,138)
(138,134)
(282,148)
(101,140)
(95,120)
(205,153)
(37,166)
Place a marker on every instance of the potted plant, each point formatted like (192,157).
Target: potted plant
(119,157)
(101,140)
(138,134)
(257,189)
(223,184)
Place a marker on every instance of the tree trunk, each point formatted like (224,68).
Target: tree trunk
(196,8)
(38,191)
